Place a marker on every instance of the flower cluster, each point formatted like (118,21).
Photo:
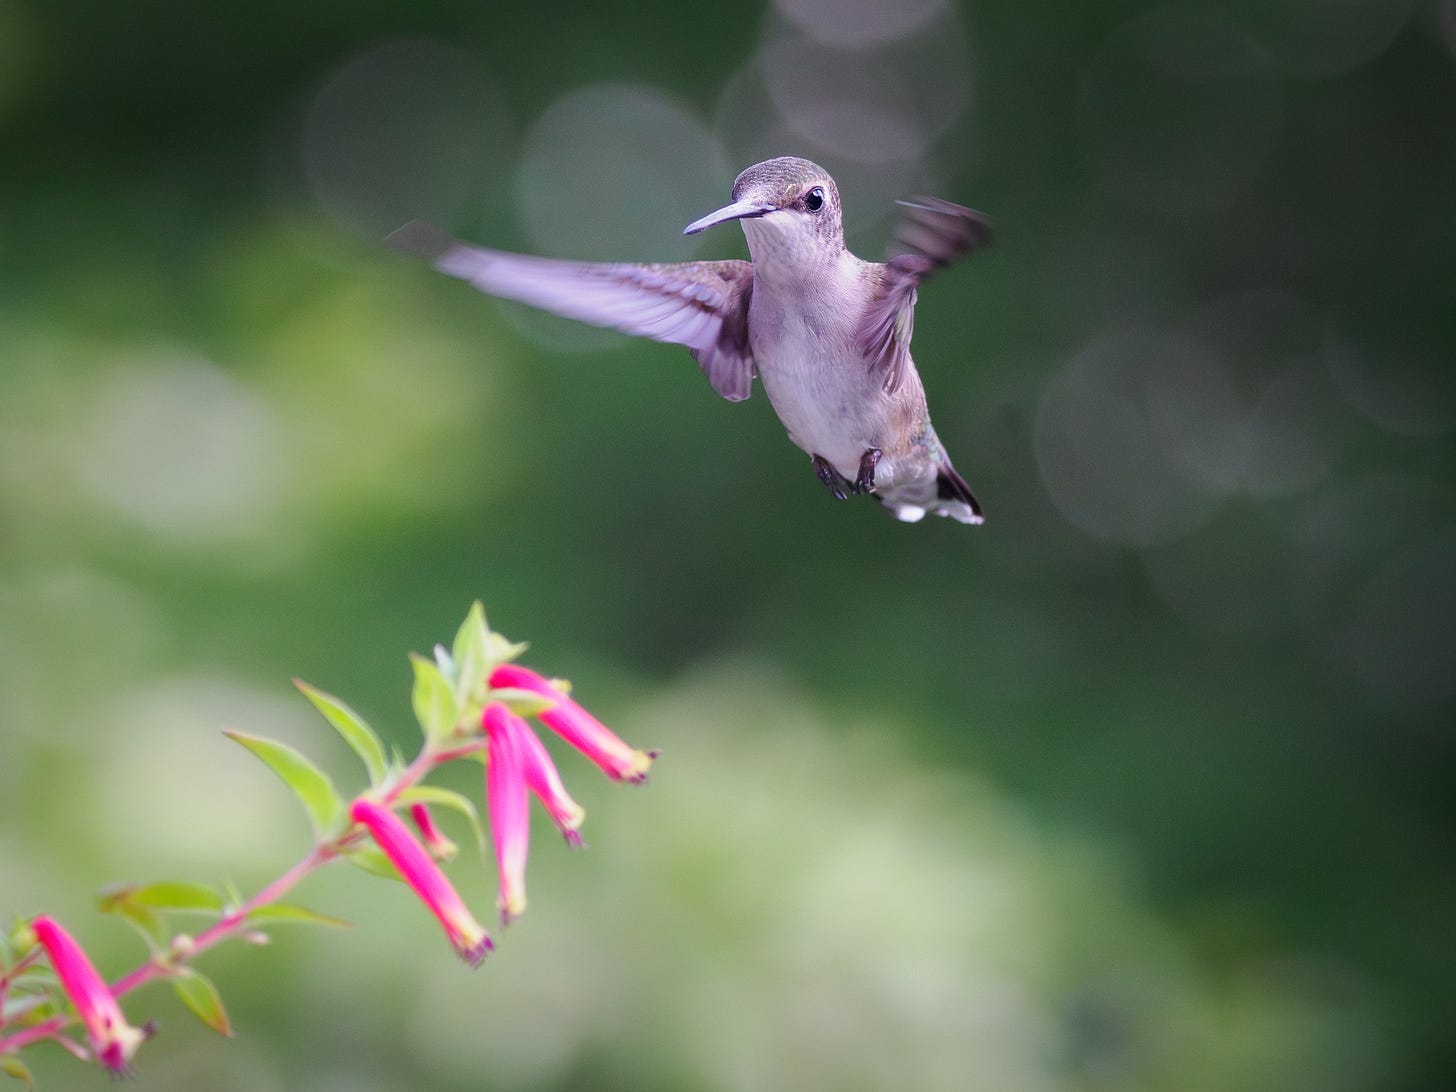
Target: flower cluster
(472,703)
(517,767)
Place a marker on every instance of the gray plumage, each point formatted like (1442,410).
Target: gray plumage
(827,334)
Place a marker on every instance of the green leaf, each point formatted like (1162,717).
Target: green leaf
(166,895)
(349,724)
(37,976)
(447,798)
(470,656)
(200,995)
(523,703)
(307,781)
(14,1067)
(501,651)
(372,860)
(434,700)
(145,920)
(17,1005)
(283,913)
(20,939)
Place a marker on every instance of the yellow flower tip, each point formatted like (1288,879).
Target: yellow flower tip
(639,765)
(437,844)
(123,1041)
(511,907)
(474,954)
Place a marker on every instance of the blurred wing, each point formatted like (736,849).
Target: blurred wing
(932,234)
(703,305)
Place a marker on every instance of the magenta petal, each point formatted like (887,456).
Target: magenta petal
(113,1040)
(440,847)
(508,805)
(578,727)
(545,782)
(425,878)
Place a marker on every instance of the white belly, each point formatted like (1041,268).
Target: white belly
(823,393)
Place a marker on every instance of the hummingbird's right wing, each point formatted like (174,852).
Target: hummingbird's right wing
(932,234)
(703,305)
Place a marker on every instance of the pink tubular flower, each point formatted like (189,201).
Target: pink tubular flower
(441,848)
(578,727)
(506,800)
(424,875)
(113,1040)
(545,782)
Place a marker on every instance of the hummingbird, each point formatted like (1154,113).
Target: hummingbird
(826,333)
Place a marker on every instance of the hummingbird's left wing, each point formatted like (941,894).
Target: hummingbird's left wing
(703,305)
(932,234)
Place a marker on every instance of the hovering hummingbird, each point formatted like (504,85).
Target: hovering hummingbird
(827,333)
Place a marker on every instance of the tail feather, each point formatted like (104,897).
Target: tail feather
(962,504)
(945,494)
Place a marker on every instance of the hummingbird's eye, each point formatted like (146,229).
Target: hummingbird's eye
(814,199)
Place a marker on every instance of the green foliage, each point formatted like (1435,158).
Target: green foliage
(282,913)
(451,689)
(475,653)
(454,681)
(1216,711)
(310,784)
(434,701)
(14,1067)
(201,997)
(143,906)
(166,895)
(469,660)
(371,859)
(352,727)
(17,942)
(31,997)
(434,795)
(146,921)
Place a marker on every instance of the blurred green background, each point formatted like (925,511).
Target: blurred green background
(1146,784)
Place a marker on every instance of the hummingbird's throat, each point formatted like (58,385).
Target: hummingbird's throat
(784,249)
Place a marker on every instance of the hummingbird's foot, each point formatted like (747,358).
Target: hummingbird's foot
(865,483)
(833,480)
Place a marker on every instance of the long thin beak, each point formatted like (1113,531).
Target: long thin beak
(739,210)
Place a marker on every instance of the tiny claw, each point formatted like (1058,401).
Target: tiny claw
(865,482)
(833,480)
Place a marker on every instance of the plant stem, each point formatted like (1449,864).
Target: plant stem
(166,964)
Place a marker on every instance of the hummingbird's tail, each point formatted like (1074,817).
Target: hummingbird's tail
(951,497)
(955,498)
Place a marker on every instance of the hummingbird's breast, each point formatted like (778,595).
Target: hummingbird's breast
(805,341)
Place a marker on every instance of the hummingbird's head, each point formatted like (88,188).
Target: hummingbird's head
(783,203)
